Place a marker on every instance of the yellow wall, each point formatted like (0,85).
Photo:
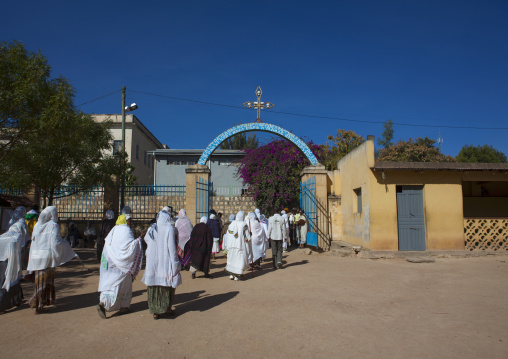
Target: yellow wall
(376,227)
(354,172)
(442,204)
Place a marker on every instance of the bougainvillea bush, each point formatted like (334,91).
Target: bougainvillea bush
(273,171)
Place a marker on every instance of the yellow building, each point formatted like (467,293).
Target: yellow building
(417,205)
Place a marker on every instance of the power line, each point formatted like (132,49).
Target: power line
(324,117)
(98,98)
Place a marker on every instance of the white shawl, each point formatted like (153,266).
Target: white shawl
(184,227)
(162,262)
(258,239)
(11,243)
(238,246)
(48,249)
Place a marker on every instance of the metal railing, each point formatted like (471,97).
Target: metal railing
(146,201)
(76,203)
(204,195)
(229,191)
(11,191)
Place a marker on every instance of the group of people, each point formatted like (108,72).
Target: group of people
(167,245)
(39,236)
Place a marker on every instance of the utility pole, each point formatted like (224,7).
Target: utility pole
(122,182)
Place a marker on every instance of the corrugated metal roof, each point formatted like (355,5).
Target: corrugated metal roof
(440,166)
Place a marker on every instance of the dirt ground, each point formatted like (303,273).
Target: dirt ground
(318,306)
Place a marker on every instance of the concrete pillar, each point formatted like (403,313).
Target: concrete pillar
(190,188)
(319,171)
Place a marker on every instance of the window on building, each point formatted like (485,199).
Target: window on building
(149,160)
(145,158)
(358,195)
(137,152)
(117,147)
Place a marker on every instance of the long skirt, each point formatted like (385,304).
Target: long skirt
(216,246)
(160,299)
(114,297)
(44,288)
(14,296)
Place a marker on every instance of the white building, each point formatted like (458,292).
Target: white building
(139,141)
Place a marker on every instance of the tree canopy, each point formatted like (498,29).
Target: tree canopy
(480,154)
(240,141)
(343,143)
(386,137)
(24,85)
(47,141)
(414,150)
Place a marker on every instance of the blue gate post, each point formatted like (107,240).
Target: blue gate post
(191,172)
(316,195)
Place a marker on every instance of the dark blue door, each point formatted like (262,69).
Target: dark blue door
(410,217)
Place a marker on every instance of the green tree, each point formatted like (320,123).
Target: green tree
(50,142)
(480,154)
(24,82)
(387,135)
(343,143)
(240,141)
(414,150)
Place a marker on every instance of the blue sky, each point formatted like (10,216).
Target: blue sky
(435,63)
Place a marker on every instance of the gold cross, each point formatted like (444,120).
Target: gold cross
(258,104)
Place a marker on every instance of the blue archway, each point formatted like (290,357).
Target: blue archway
(264,127)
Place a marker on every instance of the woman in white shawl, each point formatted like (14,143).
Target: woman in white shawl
(11,243)
(264,225)
(184,229)
(238,239)
(257,240)
(225,237)
(48,251)
(120,264)
(162,271)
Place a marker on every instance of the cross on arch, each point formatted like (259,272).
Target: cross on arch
(258,104)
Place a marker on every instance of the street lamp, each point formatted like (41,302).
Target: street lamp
(125,109)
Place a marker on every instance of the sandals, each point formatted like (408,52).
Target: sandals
(156,316)
(194,275)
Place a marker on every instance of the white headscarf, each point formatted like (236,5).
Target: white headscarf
(48,249)
(184,227)
(232,218)
(258,213)
(19,213)
(162,263)
(203,219)
(236,224)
